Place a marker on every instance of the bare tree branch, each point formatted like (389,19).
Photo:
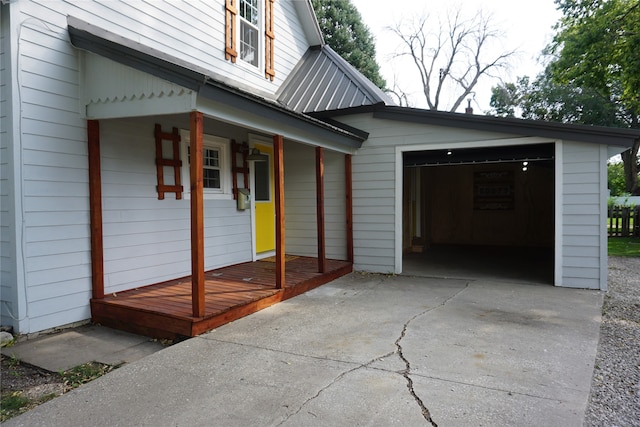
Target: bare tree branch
(453,54)
(400,96)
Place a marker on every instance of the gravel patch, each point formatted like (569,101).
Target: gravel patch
(615,386)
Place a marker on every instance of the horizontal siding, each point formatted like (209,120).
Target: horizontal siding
(8,270)
(374,207)
(581,219)
(301,232)
(385,133)
(190,31)
(147,240)
(54,172)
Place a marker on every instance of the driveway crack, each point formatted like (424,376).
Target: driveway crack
(407,370)
(335,380)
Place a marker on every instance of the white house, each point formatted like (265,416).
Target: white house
(127,129)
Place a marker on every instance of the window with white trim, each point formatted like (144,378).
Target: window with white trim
(250,23)
(215,163)
(250,33)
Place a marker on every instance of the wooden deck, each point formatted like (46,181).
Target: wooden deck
(164,310)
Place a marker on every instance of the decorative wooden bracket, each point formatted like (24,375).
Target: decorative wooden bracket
(243,150)
(161,162)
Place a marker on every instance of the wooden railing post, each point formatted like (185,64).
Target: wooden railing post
(349,205)
(278,161)
(320,208)
(95,209)
(197,214)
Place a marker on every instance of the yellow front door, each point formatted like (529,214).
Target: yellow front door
(265,207)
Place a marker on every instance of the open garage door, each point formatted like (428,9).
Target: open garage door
(480,213)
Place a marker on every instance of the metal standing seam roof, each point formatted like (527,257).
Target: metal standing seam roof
(324,81)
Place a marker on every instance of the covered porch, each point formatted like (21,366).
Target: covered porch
(172,262)
(164,310)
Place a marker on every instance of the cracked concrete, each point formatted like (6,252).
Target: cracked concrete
(406,373)
(364,350)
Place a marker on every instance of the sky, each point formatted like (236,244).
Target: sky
(527,25)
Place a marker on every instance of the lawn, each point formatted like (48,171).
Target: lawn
(624,246)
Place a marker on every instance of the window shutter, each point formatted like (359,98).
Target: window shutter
(269,41)
(230,48)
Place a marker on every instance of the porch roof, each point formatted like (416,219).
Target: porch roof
(208,85)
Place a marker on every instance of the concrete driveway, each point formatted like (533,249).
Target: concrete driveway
(365,350)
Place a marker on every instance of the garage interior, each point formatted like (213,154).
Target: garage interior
(480,213)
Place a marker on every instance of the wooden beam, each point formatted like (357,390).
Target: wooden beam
(320,208)
(95,209)
(349,205)
(278,161)
(197,214)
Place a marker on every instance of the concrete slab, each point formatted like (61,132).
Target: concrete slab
(91,343)
(461,405)
(364,350)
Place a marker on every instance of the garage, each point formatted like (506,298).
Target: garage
(479,212)
(472,196)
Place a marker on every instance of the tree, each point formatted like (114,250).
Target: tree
(544,99)
(450,56)
(594,75)
(615,178)
(344,31)
(597,47)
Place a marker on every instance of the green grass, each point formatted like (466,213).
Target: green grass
(82,374)
(624,246)
(13,403)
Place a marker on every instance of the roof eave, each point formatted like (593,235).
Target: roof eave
(310,23)
(593,134)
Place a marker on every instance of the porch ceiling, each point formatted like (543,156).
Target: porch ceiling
(213,95)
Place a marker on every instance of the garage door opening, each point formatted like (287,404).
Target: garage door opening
(480,213)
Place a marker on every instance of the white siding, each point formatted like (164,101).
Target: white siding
(147,240)
(300,202)
(8,272)
(54,173)
(582,217)
(190,31)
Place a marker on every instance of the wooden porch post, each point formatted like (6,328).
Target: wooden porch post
(278,161)
(320,208)
(197,214)
(95,209)
(349,204)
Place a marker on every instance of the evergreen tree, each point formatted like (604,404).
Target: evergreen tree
(344,31)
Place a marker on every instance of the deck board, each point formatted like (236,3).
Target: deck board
(164,310)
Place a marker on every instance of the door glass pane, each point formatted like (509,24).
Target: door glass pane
(263,189)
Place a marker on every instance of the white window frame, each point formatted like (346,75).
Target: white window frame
(260,49)
(213,143)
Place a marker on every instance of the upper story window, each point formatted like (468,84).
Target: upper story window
(247,22)
(249,30)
